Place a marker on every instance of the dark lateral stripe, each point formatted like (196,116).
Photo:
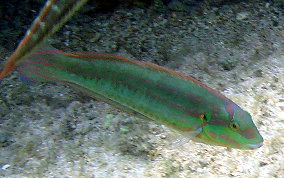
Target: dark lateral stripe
(156,96)
(147,65)
(124,107)
(134,87)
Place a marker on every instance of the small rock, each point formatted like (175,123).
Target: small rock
(242,15)
(6,166)
(95,38)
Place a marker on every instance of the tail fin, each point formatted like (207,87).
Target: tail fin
(38,67)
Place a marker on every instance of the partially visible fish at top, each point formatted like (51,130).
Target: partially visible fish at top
(51,18)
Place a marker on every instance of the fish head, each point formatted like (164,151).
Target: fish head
(232,127)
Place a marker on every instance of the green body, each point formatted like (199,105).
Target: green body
(149,91)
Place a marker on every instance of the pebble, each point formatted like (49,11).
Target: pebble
(6,166)
(242,16)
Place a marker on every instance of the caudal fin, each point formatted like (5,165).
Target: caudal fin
(38,67)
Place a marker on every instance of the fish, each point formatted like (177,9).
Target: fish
(142,89)
(52,17)
(149,91)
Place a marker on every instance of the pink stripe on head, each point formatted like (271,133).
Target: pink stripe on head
(230,108)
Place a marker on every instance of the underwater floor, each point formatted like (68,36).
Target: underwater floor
(51,130)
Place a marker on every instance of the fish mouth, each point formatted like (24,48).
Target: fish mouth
(254,146)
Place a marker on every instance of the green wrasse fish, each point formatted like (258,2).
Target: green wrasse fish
(146,90)
(149,91)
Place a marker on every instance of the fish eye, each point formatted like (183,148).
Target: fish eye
(203,117)
(234,126)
